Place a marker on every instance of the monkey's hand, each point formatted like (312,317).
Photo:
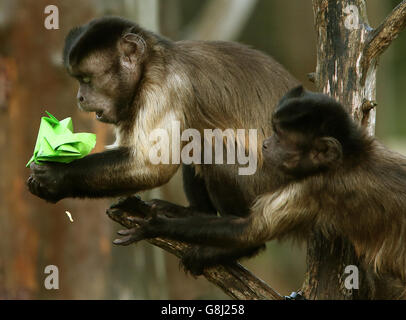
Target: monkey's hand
(149,216)
(133,205)
(147,228)
(48,181)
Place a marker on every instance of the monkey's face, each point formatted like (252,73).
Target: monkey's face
(104,86)
(108,79)
(307,134)
(285,152)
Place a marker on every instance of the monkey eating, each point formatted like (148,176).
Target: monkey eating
(139,81)
(329,176)
(317,170)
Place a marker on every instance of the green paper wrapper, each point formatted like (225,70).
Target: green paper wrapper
(56,142)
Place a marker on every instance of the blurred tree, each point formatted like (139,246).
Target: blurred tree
(36,234)
(220,20)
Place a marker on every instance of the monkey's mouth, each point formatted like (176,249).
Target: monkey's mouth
(103,117)
(99,115)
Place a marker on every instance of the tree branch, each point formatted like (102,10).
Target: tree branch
(381,38)
(236,281)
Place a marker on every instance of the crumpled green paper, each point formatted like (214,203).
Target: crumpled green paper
(56,142)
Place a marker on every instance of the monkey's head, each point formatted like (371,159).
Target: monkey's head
(107,57)
(312,133)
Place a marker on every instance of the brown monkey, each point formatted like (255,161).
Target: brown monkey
(339,181)
(139,81)
(329,176)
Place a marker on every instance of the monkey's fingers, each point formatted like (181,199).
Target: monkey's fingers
(126,232)
(34,186)
(132,205)
(36,189)
(138,220)
(122,214)
(36,168)
(124,241)
(127,202)
(114,212)
(29,181)
(130,236)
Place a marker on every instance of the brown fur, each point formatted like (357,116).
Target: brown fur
(140,82)
(203,85)
(362,199)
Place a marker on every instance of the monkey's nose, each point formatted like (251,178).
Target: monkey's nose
(81,99)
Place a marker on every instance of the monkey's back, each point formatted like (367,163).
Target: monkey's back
(242,83)
(230,86)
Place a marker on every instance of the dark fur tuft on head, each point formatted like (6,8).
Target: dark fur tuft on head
(293,93)
(98,34)
(318,115)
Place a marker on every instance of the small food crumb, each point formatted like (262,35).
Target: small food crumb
(69,216)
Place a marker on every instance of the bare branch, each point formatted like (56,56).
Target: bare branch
(382,37)
(236,281)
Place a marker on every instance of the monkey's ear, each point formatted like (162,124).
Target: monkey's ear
(326,151)
(132,46)
(294,93)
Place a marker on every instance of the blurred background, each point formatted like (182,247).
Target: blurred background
(34,234)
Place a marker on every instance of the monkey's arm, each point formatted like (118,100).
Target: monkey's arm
(104,174)
(161,219)
(205,230)
(214,240)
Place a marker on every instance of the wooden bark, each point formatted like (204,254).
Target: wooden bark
(347,56)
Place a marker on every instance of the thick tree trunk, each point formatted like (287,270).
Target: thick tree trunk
(347,53)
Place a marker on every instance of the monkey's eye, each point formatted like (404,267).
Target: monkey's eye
(85,80)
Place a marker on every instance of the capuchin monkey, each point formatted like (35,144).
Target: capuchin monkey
(138,82)
(332,178)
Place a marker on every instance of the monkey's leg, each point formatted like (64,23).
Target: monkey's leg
(196,191)
(198,258)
